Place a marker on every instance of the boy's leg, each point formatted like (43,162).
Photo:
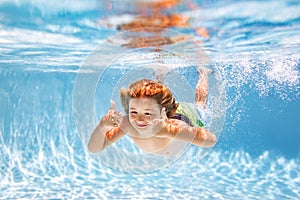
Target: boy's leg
(201,92)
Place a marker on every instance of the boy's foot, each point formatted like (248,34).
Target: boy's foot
(204,70)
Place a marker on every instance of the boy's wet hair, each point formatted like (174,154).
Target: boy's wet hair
(148,88)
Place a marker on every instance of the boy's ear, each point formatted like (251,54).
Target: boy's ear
(163,113)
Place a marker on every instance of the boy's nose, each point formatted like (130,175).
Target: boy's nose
(140,118)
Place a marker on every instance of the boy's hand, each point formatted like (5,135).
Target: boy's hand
(158,124)
(112,118)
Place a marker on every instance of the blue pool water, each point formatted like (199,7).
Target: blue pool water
(254,47)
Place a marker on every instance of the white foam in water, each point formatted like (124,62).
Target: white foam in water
(271,73)
(283,72)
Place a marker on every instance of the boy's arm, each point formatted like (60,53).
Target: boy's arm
(198,136)
(103,137)
(107,131)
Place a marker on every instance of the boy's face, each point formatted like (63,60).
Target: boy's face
(142,112)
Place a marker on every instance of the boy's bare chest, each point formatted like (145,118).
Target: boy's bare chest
(161,146)
(151,145)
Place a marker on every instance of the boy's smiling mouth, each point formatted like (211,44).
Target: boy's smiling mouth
(141,125)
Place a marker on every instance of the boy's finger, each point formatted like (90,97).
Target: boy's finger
(112,105)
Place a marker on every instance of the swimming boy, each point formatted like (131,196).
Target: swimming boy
(151,121)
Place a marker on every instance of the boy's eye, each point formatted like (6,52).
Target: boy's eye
(148,114)
(133,112)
